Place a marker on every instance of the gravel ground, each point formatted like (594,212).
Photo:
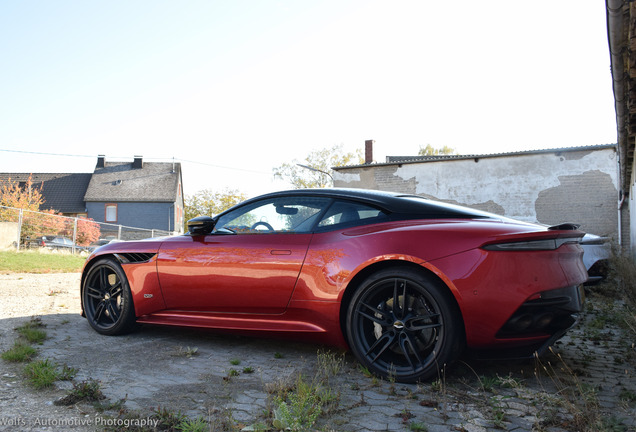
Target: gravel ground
(205,374)
(23,296)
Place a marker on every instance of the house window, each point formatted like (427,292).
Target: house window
(111,213)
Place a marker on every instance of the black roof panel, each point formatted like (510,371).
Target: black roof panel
(392,202)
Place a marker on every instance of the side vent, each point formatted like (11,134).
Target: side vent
(135,258)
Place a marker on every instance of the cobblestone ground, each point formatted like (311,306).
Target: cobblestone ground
(237,383)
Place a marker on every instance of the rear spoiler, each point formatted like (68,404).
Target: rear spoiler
(564,227)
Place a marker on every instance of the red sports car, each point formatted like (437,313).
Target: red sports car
(406,283)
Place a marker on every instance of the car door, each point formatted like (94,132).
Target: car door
(248,264)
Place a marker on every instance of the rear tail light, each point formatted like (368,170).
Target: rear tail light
(532,245)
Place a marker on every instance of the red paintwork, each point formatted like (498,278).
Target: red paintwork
(293,284)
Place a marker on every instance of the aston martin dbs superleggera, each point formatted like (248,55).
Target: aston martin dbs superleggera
(404,282)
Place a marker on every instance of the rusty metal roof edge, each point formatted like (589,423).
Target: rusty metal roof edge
(441,158)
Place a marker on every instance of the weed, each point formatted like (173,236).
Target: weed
(498,411)
(488,383)
(329,363)
(110,405)
(301,408)
(436,386)
(491,383)
(405,414)
(67,373)
(375,381)
(365,371)
(188,352)
(278,355)
(579,399)
(41,374)
(418,426)
(328,396)
(197,425)
(627,395)
(509,382)
(248,370)
(20,352)
(235,362)
(89,391)
(257,427)
(32,331)
(233,372)
(279,389)
(168,420)
(411,394)
(623,271)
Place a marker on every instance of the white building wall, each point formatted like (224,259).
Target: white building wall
(551,188)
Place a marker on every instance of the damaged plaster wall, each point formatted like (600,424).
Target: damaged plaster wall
(550,188)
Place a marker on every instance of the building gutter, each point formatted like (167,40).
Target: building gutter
(617,39)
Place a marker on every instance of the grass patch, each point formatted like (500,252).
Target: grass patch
(40,262)
(43,373)
(32,331)
(19,353)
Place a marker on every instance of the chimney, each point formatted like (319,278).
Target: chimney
(101,161)
(138,162)
(368,152)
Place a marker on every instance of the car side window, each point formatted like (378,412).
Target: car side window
(346,213)
(278,215)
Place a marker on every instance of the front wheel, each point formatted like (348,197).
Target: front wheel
(404,325)
(107,300)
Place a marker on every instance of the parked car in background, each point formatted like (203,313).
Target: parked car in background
(596,253)
(55,243)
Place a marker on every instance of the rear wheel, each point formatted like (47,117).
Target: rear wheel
(404,325)
(107,299)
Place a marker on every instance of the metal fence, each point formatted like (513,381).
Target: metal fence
(25,229)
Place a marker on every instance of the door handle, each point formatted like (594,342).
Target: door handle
(280,252)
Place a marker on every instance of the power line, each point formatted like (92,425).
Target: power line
(146,158)
(44,153)
(221,166)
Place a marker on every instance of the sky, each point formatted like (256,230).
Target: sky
(233,88)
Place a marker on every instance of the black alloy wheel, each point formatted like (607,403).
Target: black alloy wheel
(107,299)
(404,325)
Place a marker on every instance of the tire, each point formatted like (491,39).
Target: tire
(406,344)
(107,300)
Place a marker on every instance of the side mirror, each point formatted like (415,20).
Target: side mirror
(201,225)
